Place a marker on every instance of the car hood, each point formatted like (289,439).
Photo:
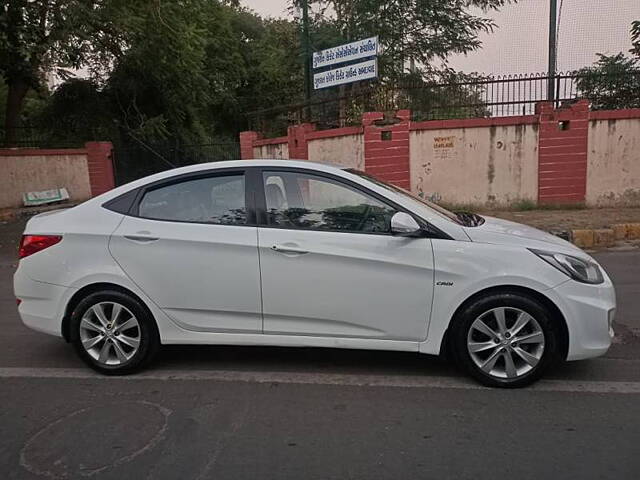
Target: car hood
(504,232)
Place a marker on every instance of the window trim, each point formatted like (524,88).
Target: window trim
(256,202)
(249,194)
(430,231)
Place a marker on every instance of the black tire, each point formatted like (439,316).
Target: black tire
(461,325)
(149,339)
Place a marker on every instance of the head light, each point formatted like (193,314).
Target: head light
(579,269)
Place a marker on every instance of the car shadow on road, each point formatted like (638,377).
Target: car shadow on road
(307,360)
(363,362)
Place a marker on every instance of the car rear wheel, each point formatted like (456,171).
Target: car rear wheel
(113,333)
(506,340)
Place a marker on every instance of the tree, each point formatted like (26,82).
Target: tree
(614,80)
(416,38)
(158,85)
(78,111)
(37,37)
(412,31)
(224,60)
(274,71)
(635,38)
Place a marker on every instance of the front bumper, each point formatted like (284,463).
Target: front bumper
(588,311)
(42,304)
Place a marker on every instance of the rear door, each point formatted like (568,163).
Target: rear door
(191,246)
(330,266)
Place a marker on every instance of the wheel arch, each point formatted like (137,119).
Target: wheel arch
(445,346)
(83,292)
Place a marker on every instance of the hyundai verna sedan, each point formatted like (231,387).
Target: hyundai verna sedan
(286,253)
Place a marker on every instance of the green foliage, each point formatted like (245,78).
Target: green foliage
(36,36)
(159,84)
(635,38)
(273,66)
(188,71)
(612,82)
(77,112)
(43,37)
(34,104)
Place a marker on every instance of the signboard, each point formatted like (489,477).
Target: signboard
(346,74)
(31,199)
(346,53)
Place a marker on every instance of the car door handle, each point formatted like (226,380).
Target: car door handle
(141,238)
(298,251)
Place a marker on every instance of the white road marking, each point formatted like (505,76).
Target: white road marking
(409,381)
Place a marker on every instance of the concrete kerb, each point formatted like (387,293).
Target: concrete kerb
(605,237)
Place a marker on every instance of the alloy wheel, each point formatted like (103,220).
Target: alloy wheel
(506,342)
(110,333)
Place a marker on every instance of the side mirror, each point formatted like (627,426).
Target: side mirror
(404,225)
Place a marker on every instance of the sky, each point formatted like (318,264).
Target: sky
(519,44)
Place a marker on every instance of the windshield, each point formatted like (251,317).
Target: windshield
(437,208)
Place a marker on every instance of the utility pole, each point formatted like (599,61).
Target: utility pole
(306,44)
(553,12)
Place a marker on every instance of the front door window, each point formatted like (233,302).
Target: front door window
(310,202)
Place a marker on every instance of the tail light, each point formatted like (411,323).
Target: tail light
(31,244)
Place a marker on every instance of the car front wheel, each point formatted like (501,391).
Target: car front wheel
(506,340)
(113,333)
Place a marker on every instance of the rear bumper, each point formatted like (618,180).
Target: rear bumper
(589,311)
(42,304)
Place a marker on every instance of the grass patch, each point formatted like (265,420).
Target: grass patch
(517,206)
(524,205)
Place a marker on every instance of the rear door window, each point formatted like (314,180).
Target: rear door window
(217,200)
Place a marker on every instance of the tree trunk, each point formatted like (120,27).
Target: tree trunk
(15,99)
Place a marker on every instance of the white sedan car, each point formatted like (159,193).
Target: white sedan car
(286,253)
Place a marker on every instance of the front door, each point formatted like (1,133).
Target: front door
(192,250)
(330,266)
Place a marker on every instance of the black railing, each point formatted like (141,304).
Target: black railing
(138,160)
(487,96)
(481,96)
(36,136)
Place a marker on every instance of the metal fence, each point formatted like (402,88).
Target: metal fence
(37,136)
(480,96)
(133,161)
(488,96)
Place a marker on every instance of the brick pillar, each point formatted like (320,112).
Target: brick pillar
(246,144)
(100,164)
(562,152)
(298,148)
(386,156)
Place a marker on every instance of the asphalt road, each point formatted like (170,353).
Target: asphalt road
(232,412)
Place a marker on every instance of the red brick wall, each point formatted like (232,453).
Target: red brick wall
(562,153)
(246,144)
(562,145)
(387,159)
(100,164)
(298,148)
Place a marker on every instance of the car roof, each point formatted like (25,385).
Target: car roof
(257,162)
